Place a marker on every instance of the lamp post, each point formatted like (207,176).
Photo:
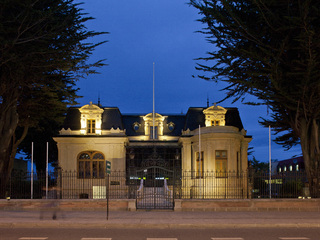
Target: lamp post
(177,157)
(131,173)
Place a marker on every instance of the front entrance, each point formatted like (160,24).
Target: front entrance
(156,188)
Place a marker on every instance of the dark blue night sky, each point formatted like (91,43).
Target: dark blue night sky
(163,32)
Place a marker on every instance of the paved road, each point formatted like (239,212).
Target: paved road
(161,234)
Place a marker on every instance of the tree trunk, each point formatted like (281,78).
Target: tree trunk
(8,125)
(309,139)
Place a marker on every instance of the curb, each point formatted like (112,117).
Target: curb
(156,226)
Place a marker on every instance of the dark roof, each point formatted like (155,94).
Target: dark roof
(130,120)
(233,118)
(128,123)
(195,117)
(291,161)
(112,118)
(178,121)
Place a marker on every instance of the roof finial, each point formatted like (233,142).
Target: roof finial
(99,99)
(207,100)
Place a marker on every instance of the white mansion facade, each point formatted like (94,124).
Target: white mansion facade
(204,139)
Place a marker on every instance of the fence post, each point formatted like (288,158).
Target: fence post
(107,194)
(249,181)
(59,182)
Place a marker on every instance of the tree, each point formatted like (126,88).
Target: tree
(44,49)
(270,49)
(259,166)
(40,135)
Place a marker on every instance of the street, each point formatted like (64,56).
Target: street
(160,234)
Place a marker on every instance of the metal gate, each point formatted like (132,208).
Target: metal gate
(156,188)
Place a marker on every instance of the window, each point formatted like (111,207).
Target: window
(297,167)
(171,126)
(91,126)
(91,165)
(290,168)
(136,126)
(155,132)
(215,123)
(199,165)
(221,163)
(239,165)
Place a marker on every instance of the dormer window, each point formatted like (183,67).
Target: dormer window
(215,123)
(153,125)
(215,116)
(91,126)
(91,119)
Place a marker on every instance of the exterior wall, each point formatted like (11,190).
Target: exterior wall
(113,149)
(212,139)
(211,185)
(186,153)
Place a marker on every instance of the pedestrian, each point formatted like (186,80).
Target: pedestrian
(51,204)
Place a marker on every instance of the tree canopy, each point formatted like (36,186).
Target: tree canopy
(44,50)
(259,166)
(270,49)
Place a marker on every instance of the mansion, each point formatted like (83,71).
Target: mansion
(96,139)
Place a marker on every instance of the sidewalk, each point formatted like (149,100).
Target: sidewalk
(158,219)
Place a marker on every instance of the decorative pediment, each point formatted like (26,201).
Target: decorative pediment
(91,110)
(158,123)
(215,116)
(157,118)
(90,120)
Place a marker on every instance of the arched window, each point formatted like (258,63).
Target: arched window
(91,165)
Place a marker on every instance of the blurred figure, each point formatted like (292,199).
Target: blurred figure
(51,204)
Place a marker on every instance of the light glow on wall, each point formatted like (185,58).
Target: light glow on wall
(94,112)
(215,114)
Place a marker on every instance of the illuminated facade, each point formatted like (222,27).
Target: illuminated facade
(93,135)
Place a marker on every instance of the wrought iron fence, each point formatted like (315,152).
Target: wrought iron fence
(213,185)
(73,187)
(185,185)
(20,185)
(281,185)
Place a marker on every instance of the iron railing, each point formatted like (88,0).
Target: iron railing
(185,185)
(213,185)
(281,185)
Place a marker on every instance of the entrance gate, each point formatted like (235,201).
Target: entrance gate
(156,188)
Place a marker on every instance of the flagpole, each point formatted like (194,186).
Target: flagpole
(200,161)
(153,107)
(32,170)
(47,169)
(270,162)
